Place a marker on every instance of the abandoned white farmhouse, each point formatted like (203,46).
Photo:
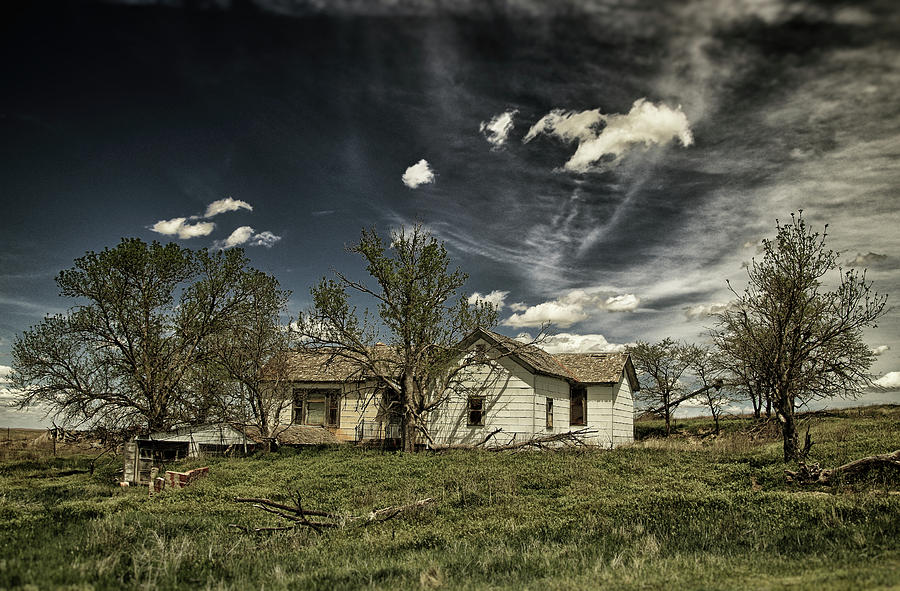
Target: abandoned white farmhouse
(524,391)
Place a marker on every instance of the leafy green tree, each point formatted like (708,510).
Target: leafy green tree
(421,315)
(798,339)
(126,353)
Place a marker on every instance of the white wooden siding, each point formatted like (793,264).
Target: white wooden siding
(508,391)
(623,413)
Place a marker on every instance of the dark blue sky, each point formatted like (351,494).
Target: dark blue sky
(116,116)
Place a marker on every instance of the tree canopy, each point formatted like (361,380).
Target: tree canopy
(129,352)
(790,334)
(421,315)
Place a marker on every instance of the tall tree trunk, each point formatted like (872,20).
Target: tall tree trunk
(756,401)
(785,413)
(408,431)
(668,414)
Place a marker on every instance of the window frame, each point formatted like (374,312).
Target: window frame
(470,410)
(330,398)
(578,394)
(548,412)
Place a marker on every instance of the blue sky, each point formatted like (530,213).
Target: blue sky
(605,166)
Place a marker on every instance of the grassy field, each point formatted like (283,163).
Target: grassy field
(691,512)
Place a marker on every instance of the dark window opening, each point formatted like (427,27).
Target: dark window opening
(578,405)
(476,410)
(316,407)
(549,408)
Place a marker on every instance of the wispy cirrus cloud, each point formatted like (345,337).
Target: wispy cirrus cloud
(606,138)
(497,129)
(418,174)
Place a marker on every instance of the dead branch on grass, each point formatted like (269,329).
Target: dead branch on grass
(813,474)
(297,515)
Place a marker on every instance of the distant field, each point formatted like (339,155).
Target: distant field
(692,512)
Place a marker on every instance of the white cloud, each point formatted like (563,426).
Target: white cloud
(496,297)
(646,123)
(419,173)
(497,129)
(705,310)
(245,235)
(566,342)
(267,239)
(890,380)
(571,308)
(872,259)
(5,372)
(518,306)
(238,237)
(623,303)
(881,349)
(179,227)
(224,205)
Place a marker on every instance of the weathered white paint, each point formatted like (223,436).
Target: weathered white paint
(623,413)
(357,406)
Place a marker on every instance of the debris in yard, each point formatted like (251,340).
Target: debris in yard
(173,479)
(813,474)
(183,479)
(325,520)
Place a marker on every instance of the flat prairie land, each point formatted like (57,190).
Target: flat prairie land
(692,511)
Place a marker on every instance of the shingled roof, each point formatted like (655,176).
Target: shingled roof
(595,368)
(585,368)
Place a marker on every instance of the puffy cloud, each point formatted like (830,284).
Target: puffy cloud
(179,227)
(571,308)
(497,129)
(419,173)
(518,306)
(704,310)
(871,259)
(224,205)
(646,123)
(5,372)
(567,342)
(266,239)
(622,303)
(245,235)
(496,297)
(238,237)
(889,381)
(880,350)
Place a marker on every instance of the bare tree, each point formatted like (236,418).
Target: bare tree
(798,340)
(707,369)
(661,367)
(421,315)
(251,355)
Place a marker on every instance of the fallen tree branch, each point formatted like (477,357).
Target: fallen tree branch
(813,474)
(297,515)
(567,439)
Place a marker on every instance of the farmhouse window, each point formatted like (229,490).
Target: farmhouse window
(316,407)
(475,410)
(549,408)
(578,405)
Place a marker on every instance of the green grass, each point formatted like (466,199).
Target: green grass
(688,513)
